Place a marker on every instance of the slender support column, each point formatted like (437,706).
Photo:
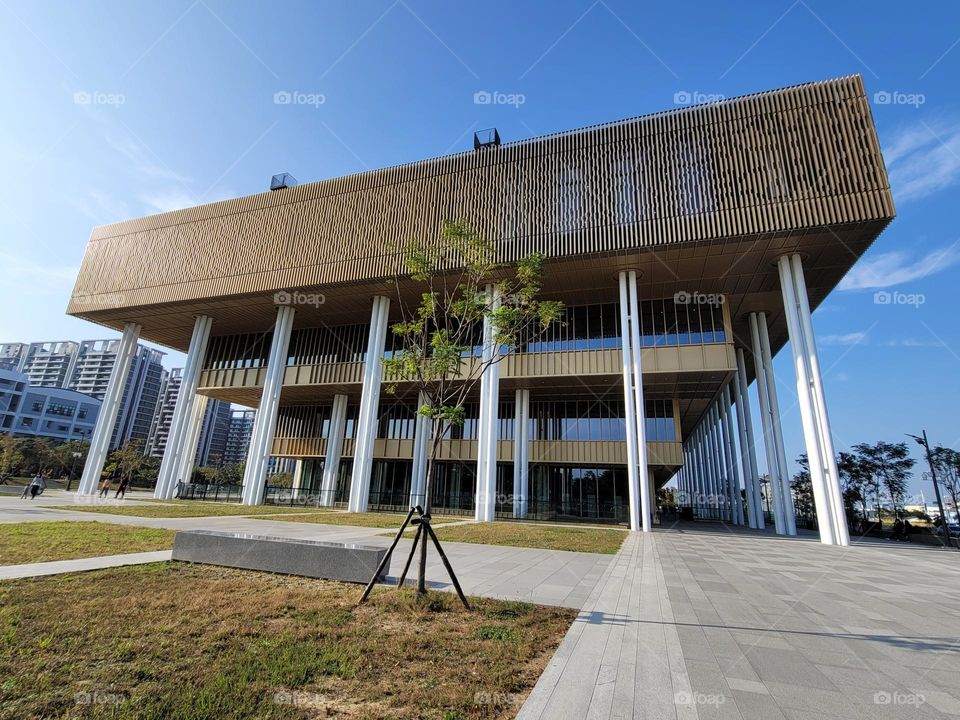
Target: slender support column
(748,457)
(171,466)
(422,432)
(769,444)
(832,479)
(103,431)
(331,462)
(297,483)
(191,441)
(716,452)
(787,502)
(736,496)
(521,479)
(369,407)
(629,406)
(261,440)
(637,369)
(485,503)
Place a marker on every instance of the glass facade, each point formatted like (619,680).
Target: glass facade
(664,322)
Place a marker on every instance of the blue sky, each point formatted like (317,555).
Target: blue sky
(115,109)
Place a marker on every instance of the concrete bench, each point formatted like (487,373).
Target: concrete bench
(288,556)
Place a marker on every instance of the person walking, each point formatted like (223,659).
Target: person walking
(26,488)
(122,487)
(37,486)
(105,487)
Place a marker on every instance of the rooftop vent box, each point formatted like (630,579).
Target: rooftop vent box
(488,138)
(281,181)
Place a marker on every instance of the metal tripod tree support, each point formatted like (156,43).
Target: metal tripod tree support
(422,521)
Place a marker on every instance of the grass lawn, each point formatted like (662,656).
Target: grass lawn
(187,509)
(32,542)
(172,640)
(548,537)
(368,519)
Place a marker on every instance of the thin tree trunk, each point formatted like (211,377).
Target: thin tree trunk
(427,508)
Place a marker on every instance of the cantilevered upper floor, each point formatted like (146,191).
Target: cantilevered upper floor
(700,199)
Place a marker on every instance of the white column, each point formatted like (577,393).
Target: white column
(369,407)
(735,495)
(816,427)
(191,441)
(521,480)
(748,457)
(172,463)
(261,439)
(832,480)
(787,496)
(629,407)
(297,477)
(422,435)
(485,497)
(331,462)
(636,351)
(769,444)
(719,463)
(109,407)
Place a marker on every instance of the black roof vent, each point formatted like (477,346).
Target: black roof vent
(489,138)
(281,181)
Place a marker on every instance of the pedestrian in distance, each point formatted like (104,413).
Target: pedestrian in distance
(105,487)
(37,486)
(122,487)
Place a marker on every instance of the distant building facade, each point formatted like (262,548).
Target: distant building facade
(85,368)
(57,413)
(238,436)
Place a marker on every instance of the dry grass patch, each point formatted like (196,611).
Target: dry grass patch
(33,542)
(187,509)
(547,537)
(368,519)
(172,640)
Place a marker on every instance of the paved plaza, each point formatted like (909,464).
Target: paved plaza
(700,622)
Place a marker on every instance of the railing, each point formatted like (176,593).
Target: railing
(205,491)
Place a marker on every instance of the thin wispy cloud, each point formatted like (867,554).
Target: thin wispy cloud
(35,276)
(101,207)
(923,159)
(168,200)
(854,338)
(896,268)
(142,160)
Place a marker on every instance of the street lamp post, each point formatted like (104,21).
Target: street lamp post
(73,467)
(922,440)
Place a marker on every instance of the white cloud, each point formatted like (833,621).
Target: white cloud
(911,342)
(101,207)
(167,200)
(895,268)
(143,160)
(853,338)
(36,277)
(923,159)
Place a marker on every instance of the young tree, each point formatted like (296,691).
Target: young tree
(444,351)
(802,488)
(11,456)
(126,460)
(888,466)
(946,461)
(853,481)
(69,457)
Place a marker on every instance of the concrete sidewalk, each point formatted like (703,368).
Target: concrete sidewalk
(57,567)
(709,624)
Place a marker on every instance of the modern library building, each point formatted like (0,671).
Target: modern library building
(688,247)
